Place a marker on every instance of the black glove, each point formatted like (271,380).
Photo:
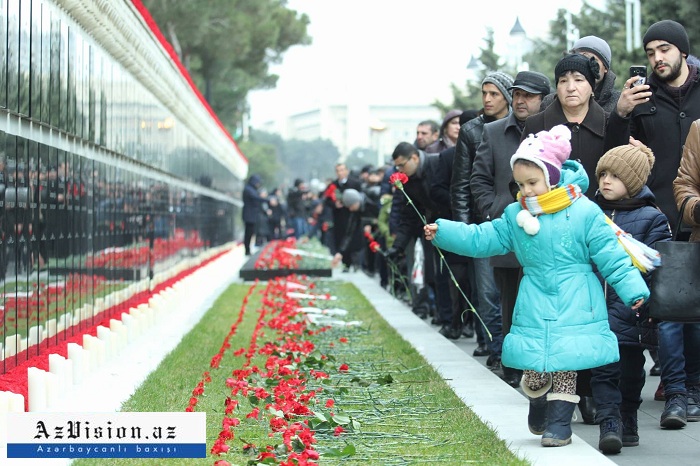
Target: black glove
(696,212)
(392,253)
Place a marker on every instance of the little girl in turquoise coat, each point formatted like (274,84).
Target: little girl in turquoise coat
(560,321)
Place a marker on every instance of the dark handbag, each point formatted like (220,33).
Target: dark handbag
(675,286)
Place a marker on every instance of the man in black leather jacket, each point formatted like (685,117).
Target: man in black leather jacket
(497,100)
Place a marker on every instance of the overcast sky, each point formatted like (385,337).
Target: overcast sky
(392,51)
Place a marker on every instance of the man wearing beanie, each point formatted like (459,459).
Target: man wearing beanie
(604,91)
(496,99)
(659,114)
(622,174)
(490,184)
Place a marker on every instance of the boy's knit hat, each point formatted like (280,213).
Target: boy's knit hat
(548,150)
(631,164)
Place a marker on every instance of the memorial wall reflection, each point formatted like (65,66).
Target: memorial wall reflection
(76,225)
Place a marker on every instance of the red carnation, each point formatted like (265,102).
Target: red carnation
(374,246)
(330,192)
(398,179)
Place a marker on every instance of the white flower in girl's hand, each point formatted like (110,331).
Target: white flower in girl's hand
(528,222)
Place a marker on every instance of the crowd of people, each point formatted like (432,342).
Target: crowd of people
(54,213)
(525,196)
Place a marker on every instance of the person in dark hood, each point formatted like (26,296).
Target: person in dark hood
(252,205)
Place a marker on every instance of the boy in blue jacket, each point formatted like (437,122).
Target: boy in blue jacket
(624,197)
(560,321)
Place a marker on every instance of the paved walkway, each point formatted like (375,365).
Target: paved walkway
(501,407)
(505,409)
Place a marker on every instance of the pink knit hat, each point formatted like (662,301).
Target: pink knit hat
(548,150)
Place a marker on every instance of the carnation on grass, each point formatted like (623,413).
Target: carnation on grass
(290,398)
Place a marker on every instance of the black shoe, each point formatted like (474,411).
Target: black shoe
(630,430)
(511,376)
(675,415)
(438,321)
(493,360)
(655,370)
(610,440)
(587,407)
(420,311)
(468,331)
(693,411)
(481,350)
(450,332)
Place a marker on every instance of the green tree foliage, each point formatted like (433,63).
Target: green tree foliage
(228,45)
(297,158)
(470,98)
(262,159)
(685,12)
(609,24)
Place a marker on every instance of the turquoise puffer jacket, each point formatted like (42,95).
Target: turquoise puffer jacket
(560,321)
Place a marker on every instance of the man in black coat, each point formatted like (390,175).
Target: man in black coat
(252,205)
(340,213)
(659,113)
(491,185)
(496,99)
(419,166)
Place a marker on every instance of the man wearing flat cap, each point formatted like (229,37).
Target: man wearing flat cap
(659,113)
(491,178)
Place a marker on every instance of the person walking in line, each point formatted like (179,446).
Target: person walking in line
(419,168)
(575,77)
(659,114)
(449,130)
(491,185)
(687,182)
(624,197)
(560,323)
(252,207)
(427,132)
(496,98)
(604,92)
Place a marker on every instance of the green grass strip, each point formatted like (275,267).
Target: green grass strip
(407,414)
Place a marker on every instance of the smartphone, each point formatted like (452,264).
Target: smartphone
(640,72)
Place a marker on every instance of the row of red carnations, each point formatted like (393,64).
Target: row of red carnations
(285,391)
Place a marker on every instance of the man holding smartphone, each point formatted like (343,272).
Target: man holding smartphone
(659,113)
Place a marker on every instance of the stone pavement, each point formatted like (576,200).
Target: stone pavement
(504,409)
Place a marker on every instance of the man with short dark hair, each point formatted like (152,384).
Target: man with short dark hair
(427,132)
(419,167)
(496,100)
(491,185)
(659,113)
